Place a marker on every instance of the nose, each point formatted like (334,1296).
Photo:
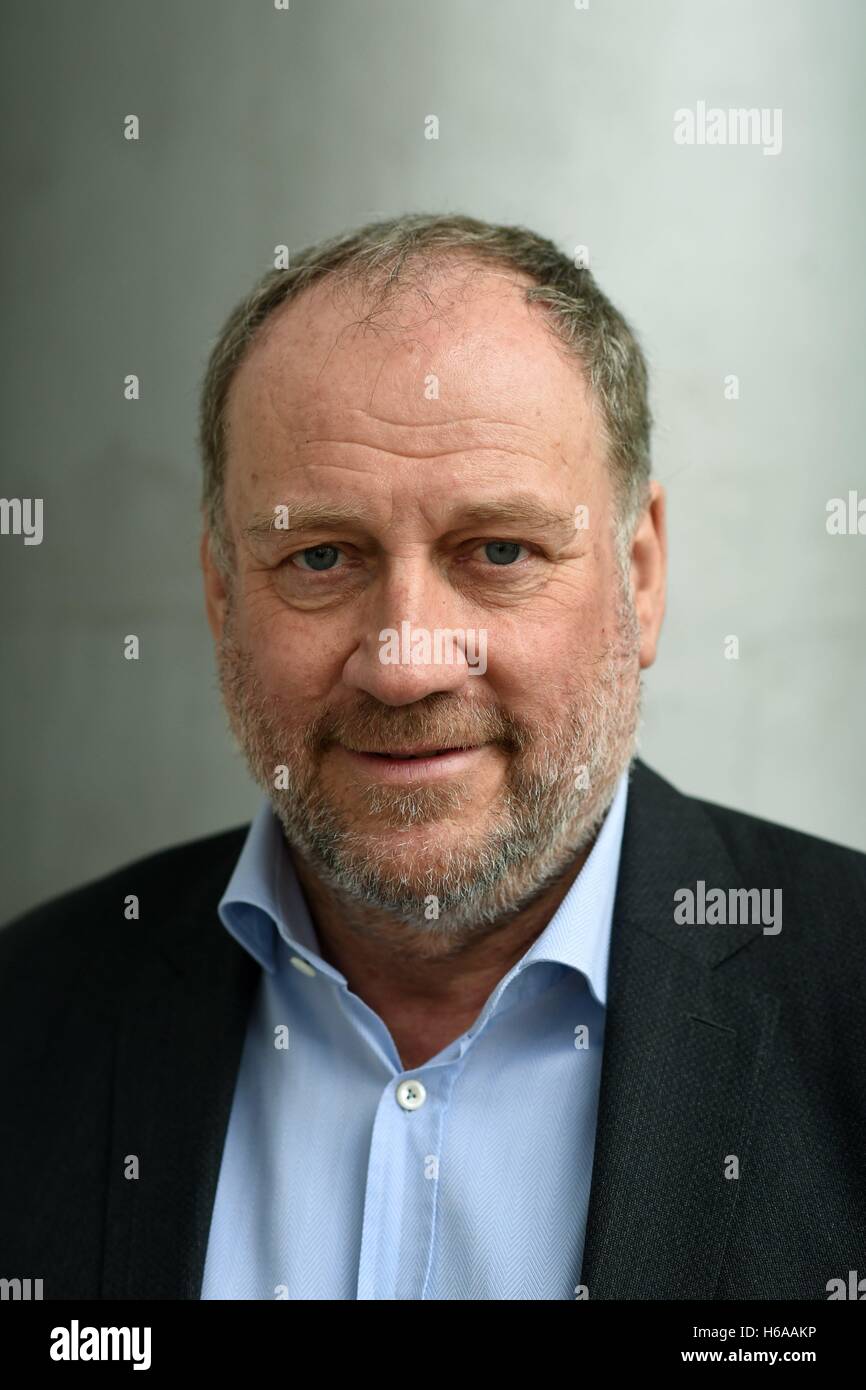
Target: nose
(412,644)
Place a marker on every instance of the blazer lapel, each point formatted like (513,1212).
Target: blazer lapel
(177,1052)
(684,1055)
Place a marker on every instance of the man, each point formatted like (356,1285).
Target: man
(479,1007)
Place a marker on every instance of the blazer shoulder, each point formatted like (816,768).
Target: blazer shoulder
(819,865)
(76,920)
(761,849)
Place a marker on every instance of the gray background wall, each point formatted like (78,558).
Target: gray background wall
(260,127)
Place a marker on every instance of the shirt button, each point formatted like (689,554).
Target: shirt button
(303,965)
(411,1095)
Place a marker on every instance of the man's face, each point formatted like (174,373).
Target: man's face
(463,593)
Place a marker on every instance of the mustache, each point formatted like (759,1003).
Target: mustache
(435,722)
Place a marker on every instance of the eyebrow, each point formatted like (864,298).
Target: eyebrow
(306,516)
(518,508)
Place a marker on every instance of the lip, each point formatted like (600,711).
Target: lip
(432,769)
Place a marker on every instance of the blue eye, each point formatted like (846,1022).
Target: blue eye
(502,552)
(320,557)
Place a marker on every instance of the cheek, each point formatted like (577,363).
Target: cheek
(293,664)
(540,660)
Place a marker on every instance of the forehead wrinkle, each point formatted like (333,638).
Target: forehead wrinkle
(477,459)
(438,454)
(492,434)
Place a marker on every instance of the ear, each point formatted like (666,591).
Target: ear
(215,590)
(649,572)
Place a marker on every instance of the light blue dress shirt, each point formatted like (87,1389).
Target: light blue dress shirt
(345,1177)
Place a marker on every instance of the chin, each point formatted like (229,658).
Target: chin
(418,851)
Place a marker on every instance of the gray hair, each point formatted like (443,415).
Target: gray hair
(373,257)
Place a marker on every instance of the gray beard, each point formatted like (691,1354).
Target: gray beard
(559,786)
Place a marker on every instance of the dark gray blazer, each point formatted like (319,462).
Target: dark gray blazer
(721,1041)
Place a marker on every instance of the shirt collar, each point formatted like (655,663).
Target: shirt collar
(263,897)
